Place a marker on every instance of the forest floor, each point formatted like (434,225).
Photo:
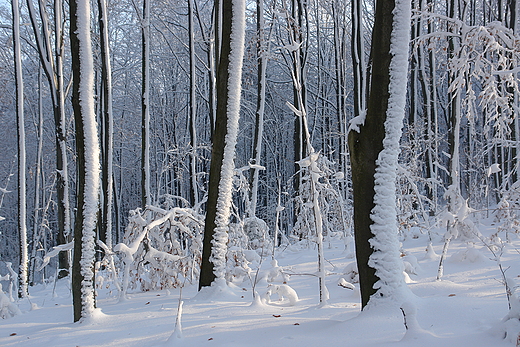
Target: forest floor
(465,308)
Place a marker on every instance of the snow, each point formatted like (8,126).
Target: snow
(464,309)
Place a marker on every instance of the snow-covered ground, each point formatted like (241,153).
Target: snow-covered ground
(463,309)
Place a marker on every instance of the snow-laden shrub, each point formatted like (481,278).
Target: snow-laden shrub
(161,248)
(7,308)
(507,213)
(249,242)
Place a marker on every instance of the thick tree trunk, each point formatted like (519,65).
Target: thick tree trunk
(224,140)
(366,145)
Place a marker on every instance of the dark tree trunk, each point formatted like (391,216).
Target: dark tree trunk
(207,275)
(366,145)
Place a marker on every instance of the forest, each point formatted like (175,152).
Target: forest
(169,144)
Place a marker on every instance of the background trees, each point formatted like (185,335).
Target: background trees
(471,52)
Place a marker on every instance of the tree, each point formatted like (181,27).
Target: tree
(88,152)
(22,201)
(53,67)
(145,107)
(194,194)
(262,52)
(374,147)
(221,173)
(105,234)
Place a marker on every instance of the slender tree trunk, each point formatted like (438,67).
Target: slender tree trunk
(20,126)
(63,193)
(105,234)
(88,152)
(145,108)
(53,68)
(358,58)
(194,194)
(454,122)
(37,184)
(298,54)
(260,104)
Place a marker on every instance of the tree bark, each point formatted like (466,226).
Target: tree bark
(366,145)
(87,151)
(145,108)
(105,234)
(20,126)
(224,140)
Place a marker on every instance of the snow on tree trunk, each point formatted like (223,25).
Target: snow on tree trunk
(22,201)
(236,54)
(386,257)
(213,266)
(88,152)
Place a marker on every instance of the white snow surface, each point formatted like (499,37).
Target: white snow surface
(462,310)
(385,259)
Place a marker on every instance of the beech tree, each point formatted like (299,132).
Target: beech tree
(221,172)
(88,153)
(374,146)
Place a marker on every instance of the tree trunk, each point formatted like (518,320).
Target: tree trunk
(145,108)
(194,194)
(53,68)
(366,146)
(224,141)
(20,126)
(260,104)
(105,234)
(87,151)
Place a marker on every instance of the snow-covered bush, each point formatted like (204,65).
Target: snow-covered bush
(7,308)
(161,248)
